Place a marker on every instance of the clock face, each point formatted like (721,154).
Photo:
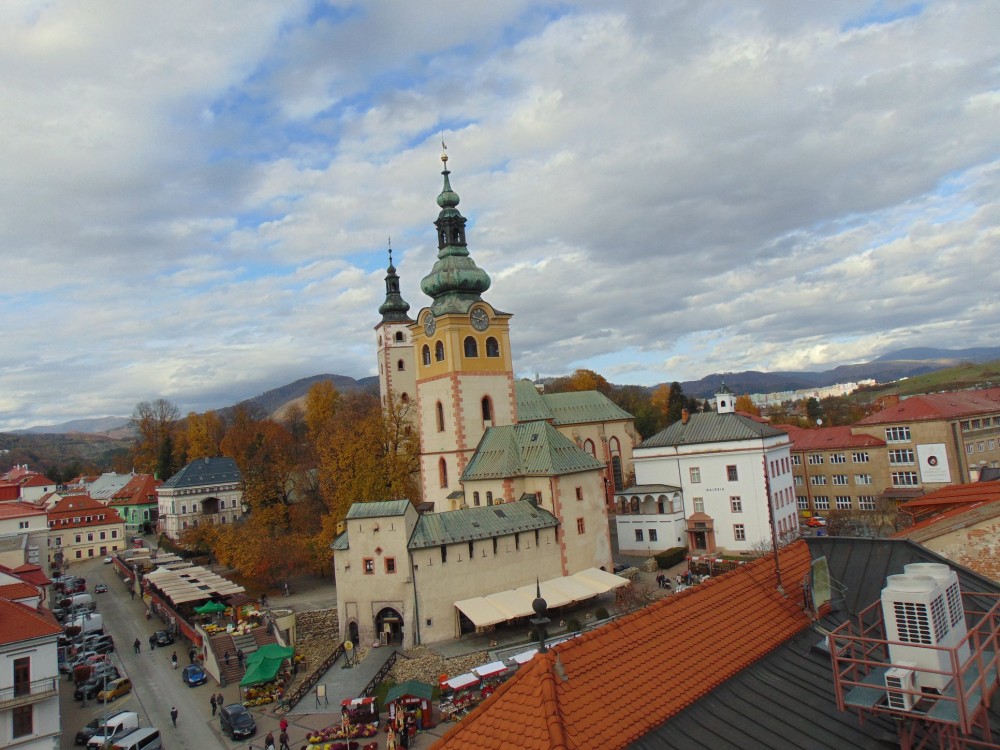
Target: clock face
(480,320)
(430,325)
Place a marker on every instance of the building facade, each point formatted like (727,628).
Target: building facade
(207,490)
(81,528)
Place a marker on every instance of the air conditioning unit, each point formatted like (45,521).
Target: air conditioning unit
(898,680)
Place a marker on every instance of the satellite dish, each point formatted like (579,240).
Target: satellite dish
(819,574)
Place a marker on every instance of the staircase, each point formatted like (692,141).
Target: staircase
(220,643)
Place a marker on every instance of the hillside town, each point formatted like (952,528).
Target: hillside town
(557,579)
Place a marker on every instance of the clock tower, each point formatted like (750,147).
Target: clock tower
(464,369)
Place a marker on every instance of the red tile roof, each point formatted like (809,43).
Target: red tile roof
(18,510)
(607,688)
(140,490)
(828,438)
(72,512)
(19,590)
(9,491)
(22,623)
(32,574)
(955,494)
(36,480)
(932,406)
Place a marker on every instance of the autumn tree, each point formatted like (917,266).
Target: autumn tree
(265,454)
(581,380)
(322,400)
(204,433)
(154,423)
(635,399)
(746,405)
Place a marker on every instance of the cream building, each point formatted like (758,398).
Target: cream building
(206,490)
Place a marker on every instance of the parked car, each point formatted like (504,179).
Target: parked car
(71,664)
(101,588)
(115,689)
(237,721)
(163,638)
(94,725)
(105,646)
(108,560)
(90,688)
(193,675)
(816,521)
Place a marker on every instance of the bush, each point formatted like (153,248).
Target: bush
(601,614)
(671,557)
(573,625)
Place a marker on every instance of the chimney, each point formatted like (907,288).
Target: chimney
(685,416)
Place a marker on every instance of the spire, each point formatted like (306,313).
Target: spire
(394,308)
(455,282)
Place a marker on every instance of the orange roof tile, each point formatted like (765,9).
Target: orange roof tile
(954,494)
(139,490)
(29,573)
(18,510)
(828,438)
(22,623)
(608,687)
(951,405)
(19,590)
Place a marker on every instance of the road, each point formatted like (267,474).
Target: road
(158,686)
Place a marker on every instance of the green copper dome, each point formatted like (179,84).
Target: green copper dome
(455,282)
(394,309)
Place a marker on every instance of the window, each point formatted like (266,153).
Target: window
(897,434)
(369,564)
(390,565)
(860,457)
(471,347)
(425,355)
(802,502)
(475,498)
(635,505)
(976,424)
(579,493)
(438,351)
(821,502)
(439,410)
(22,676)
(735,504)
(843,502)
(968,449)
(114,533)
(399,335)
(905,479)
(866,502)
(443,472)
(862,478)
(652,535)
(797,480)
(840,479)
(400,365)
(817,480)
(732,474)
(980,446)
(695,473)
(492,347)
(796,460)
(489,498)
(838,458)
(993,444)
(638,535)
(104,535)
(22,524)
(487,407)
(901,456)
(79,538)
(580,526)
(588,447)
(739,532)
(699,504)
(444,551)
(22,721)
(815,458)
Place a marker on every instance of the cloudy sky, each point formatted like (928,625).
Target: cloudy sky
(196,198)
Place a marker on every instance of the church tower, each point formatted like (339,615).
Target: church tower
(464,369)
(396,374)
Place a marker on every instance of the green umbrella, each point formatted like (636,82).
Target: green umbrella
(209,608)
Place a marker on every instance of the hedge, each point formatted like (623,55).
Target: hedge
(671,557)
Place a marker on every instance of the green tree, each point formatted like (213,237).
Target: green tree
(153,423)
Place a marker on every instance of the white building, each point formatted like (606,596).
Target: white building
(207,489)
(734,474)
(29,678)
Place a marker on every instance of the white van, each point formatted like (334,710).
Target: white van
(87,623)
(146,738)
(116,728)
(76,600)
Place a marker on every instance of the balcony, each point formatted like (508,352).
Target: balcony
(32,692)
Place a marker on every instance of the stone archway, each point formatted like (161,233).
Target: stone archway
(390,622)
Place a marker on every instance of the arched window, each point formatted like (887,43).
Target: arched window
(635,503)
(399,335)
(489,498)
(400,365)
(487,409)
(425,354)
(443,471)
(588,446)
(380,341)
(405,398)
(439,351)
(623,506)
(475,498)
(492,347)
(616,463)
(440,416)
(471,347)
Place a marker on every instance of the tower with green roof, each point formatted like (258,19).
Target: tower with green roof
(396,376)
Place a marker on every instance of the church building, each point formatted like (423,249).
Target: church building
(516,484)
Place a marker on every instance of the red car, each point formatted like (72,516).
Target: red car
(816,521)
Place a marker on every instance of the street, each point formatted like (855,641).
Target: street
(157,686)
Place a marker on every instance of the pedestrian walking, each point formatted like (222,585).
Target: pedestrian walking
(220,701)
(137,645)
(226,658)
(287,592)
(283,740)
(239,657)
(269,741)
(173,659)
(214,704)
(283,724)
(192,652)
(152,643)
(173,715)
(132,592)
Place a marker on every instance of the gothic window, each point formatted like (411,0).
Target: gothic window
(487,409)
(616,463)
(443,472)
(439,351)
(471,347)
(400,365)
(492,347)
(440,417)
(425,354)
(489,498)
(588,446)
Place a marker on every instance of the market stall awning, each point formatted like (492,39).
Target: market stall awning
(408,689)
(210,607)
(264,663)
(462,681)
(492,669)
(557,592)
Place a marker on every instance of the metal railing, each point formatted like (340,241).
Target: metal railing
(34,691)
(291,699)
(386,668)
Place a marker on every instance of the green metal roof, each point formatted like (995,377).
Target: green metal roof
(529,449)
(711,427)
(340,543)
(574,407)
(485,522)
(411,687)
(378,509)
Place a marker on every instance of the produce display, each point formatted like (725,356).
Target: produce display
(324,738)
(261,695)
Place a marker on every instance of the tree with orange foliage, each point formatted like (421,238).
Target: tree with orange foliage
(204,435)
(580,380)
(746,405)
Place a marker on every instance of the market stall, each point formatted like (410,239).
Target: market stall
(268,672)
(490,676)
(458,695)
(410,700)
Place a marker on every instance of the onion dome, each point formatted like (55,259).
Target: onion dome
(394,309)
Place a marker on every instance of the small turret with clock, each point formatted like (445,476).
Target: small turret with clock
(480,319)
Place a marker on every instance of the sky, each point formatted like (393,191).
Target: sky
(196,199)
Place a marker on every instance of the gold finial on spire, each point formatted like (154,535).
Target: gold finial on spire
(444,150)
